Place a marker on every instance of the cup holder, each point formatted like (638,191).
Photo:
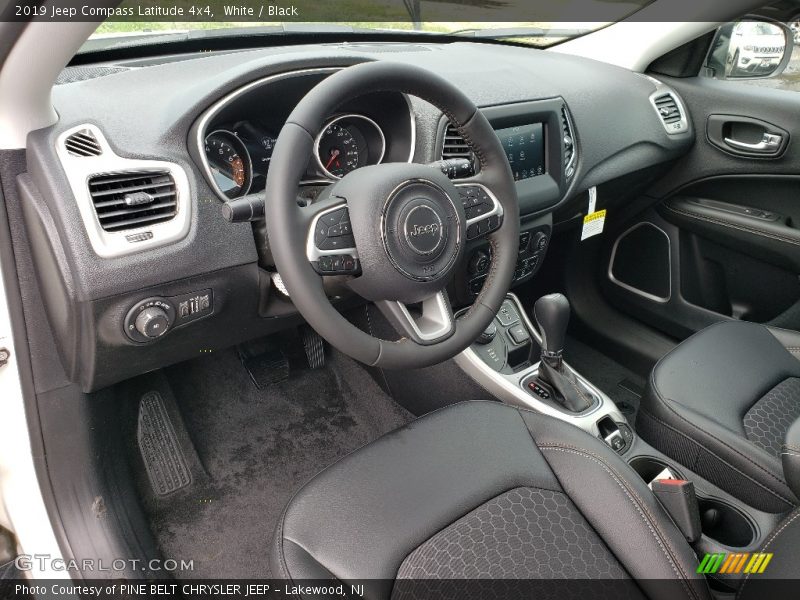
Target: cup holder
(725,524)
(648,467)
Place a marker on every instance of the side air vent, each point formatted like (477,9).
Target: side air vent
(129,200)
(83,143)
(454,145)
(671,112)
(570,151)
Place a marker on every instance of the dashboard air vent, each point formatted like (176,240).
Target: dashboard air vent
(668,108)
(671,112)
(570,152)
(83,143)
(454,145)
(128,200)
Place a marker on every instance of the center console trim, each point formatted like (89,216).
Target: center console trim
(509,388)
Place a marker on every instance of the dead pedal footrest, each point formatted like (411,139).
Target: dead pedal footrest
(158,444)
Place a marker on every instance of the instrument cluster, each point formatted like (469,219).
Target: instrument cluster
(239,154)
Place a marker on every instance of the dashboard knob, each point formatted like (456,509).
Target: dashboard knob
(540,242)
(488,334)
(152,322)
(479,263)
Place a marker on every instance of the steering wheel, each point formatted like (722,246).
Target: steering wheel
(399,228)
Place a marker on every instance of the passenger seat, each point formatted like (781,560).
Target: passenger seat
(721,403)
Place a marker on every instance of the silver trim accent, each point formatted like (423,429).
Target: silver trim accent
(508,388)
(341,118)
(630,288)
(497,208)
(670,128)
(214,109)
(243,191)
(571,162)
(312,252)
(110,244)
(435,323)
(769,142)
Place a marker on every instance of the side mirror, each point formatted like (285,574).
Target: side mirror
(750,49)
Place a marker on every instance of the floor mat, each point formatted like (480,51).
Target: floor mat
(258,447)
(623,386)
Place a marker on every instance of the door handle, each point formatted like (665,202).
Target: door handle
(770,142)
(746,136)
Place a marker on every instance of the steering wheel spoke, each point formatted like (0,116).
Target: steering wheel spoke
(426,323)
(482,208)
(331,247)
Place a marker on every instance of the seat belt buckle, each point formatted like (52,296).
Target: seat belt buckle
(678,497)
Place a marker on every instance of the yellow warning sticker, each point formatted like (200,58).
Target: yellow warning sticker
(593,224)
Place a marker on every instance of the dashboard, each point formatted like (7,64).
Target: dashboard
(122,199)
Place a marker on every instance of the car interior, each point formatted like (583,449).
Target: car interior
(397,310)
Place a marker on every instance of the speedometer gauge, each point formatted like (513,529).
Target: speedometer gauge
(347,143)
(339,151)
(230,163)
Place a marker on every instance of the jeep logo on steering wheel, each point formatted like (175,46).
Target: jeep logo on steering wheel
(423,229)
(431,229)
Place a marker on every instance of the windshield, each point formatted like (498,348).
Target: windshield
(141,22)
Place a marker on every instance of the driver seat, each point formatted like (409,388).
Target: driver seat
(483,491)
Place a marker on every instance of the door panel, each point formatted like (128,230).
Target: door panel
(730,210)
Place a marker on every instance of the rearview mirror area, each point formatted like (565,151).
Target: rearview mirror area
(750,49)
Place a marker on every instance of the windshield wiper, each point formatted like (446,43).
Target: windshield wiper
(519,32)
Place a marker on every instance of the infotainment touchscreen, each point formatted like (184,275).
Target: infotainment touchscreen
(524,146)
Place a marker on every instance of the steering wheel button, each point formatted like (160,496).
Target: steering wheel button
(335,231)
(325,263)
(333,218)
(331,244)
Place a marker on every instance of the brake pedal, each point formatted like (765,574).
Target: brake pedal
(314,346)
(265,368)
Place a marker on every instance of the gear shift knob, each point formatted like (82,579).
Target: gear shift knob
(552,315)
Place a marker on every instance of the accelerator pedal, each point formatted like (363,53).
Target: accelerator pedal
(314,346)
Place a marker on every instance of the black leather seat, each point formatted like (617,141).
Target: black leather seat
(482,490)
(721,403)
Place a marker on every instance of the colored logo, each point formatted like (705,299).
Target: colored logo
(736,562)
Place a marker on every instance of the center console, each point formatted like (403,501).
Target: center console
(508,361)
(505,361)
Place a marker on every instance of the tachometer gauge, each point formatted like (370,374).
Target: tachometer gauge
(230,163)
(347,143)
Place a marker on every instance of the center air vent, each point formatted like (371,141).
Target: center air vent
(570,151)
(83,143)
(671,112)
(454,145)
(133,199)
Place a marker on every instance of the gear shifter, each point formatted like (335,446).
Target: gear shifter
(552,316)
